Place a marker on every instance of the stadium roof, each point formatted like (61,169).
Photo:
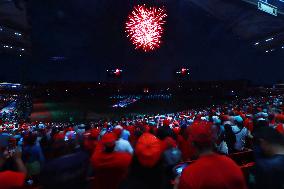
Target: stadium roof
(14,27)
(247,21)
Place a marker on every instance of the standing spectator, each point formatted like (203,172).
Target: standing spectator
(229,137)
(183,144)
(210,170)
(241,133)
(147,170)
(32,155)
(171,157)
(122,144)
(90,140)
(110,167)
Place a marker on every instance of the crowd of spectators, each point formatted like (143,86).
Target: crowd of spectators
(145,151)
(14,108)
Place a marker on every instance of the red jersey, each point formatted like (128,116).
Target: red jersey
(212,171)
(11,179)
(110,169)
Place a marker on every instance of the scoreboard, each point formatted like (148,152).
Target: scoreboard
(273,7)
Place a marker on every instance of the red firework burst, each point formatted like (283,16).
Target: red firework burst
(144,27)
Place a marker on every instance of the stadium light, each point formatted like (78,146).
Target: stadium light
(270,39)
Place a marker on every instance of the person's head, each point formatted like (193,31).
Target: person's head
(30,139)
(271,117)
(279,118)
(117,130)
(201,136)
(125,135)
(148,150)
(166,122)
(238,121)
(164,132)
(261,123)
(63,145)
(269,140)
(108,141)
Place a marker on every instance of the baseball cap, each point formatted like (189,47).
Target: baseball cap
(201,133)
(148,150)
(109,139)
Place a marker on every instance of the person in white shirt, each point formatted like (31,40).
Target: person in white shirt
(241,133)
(122,144)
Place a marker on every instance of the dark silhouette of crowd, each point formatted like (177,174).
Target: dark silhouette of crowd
(195,149)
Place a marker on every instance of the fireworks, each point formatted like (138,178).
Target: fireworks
(144,27)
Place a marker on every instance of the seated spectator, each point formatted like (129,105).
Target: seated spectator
(110,167)
(270,164)
(10,179)
(210,170)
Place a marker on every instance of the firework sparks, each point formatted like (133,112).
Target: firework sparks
(144,27)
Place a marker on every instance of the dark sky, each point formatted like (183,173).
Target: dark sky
(90,34)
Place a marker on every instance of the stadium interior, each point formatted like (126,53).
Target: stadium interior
(164,94)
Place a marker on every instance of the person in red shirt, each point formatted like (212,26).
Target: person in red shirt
(210,170)
(90,140)
(110,167)
(184,144)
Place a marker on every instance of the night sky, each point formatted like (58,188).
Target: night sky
(90,35)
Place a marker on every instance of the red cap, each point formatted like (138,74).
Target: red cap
(198,117)
(279,117)
(201,133)
(280,128)
(147,128)
(176,130)
(225,117)
(170,142)
(148,150)
(59,136)
(109,139)
(176,123)
(94,133)
(166,122)
(69,129)
(11,179)
(117,132)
